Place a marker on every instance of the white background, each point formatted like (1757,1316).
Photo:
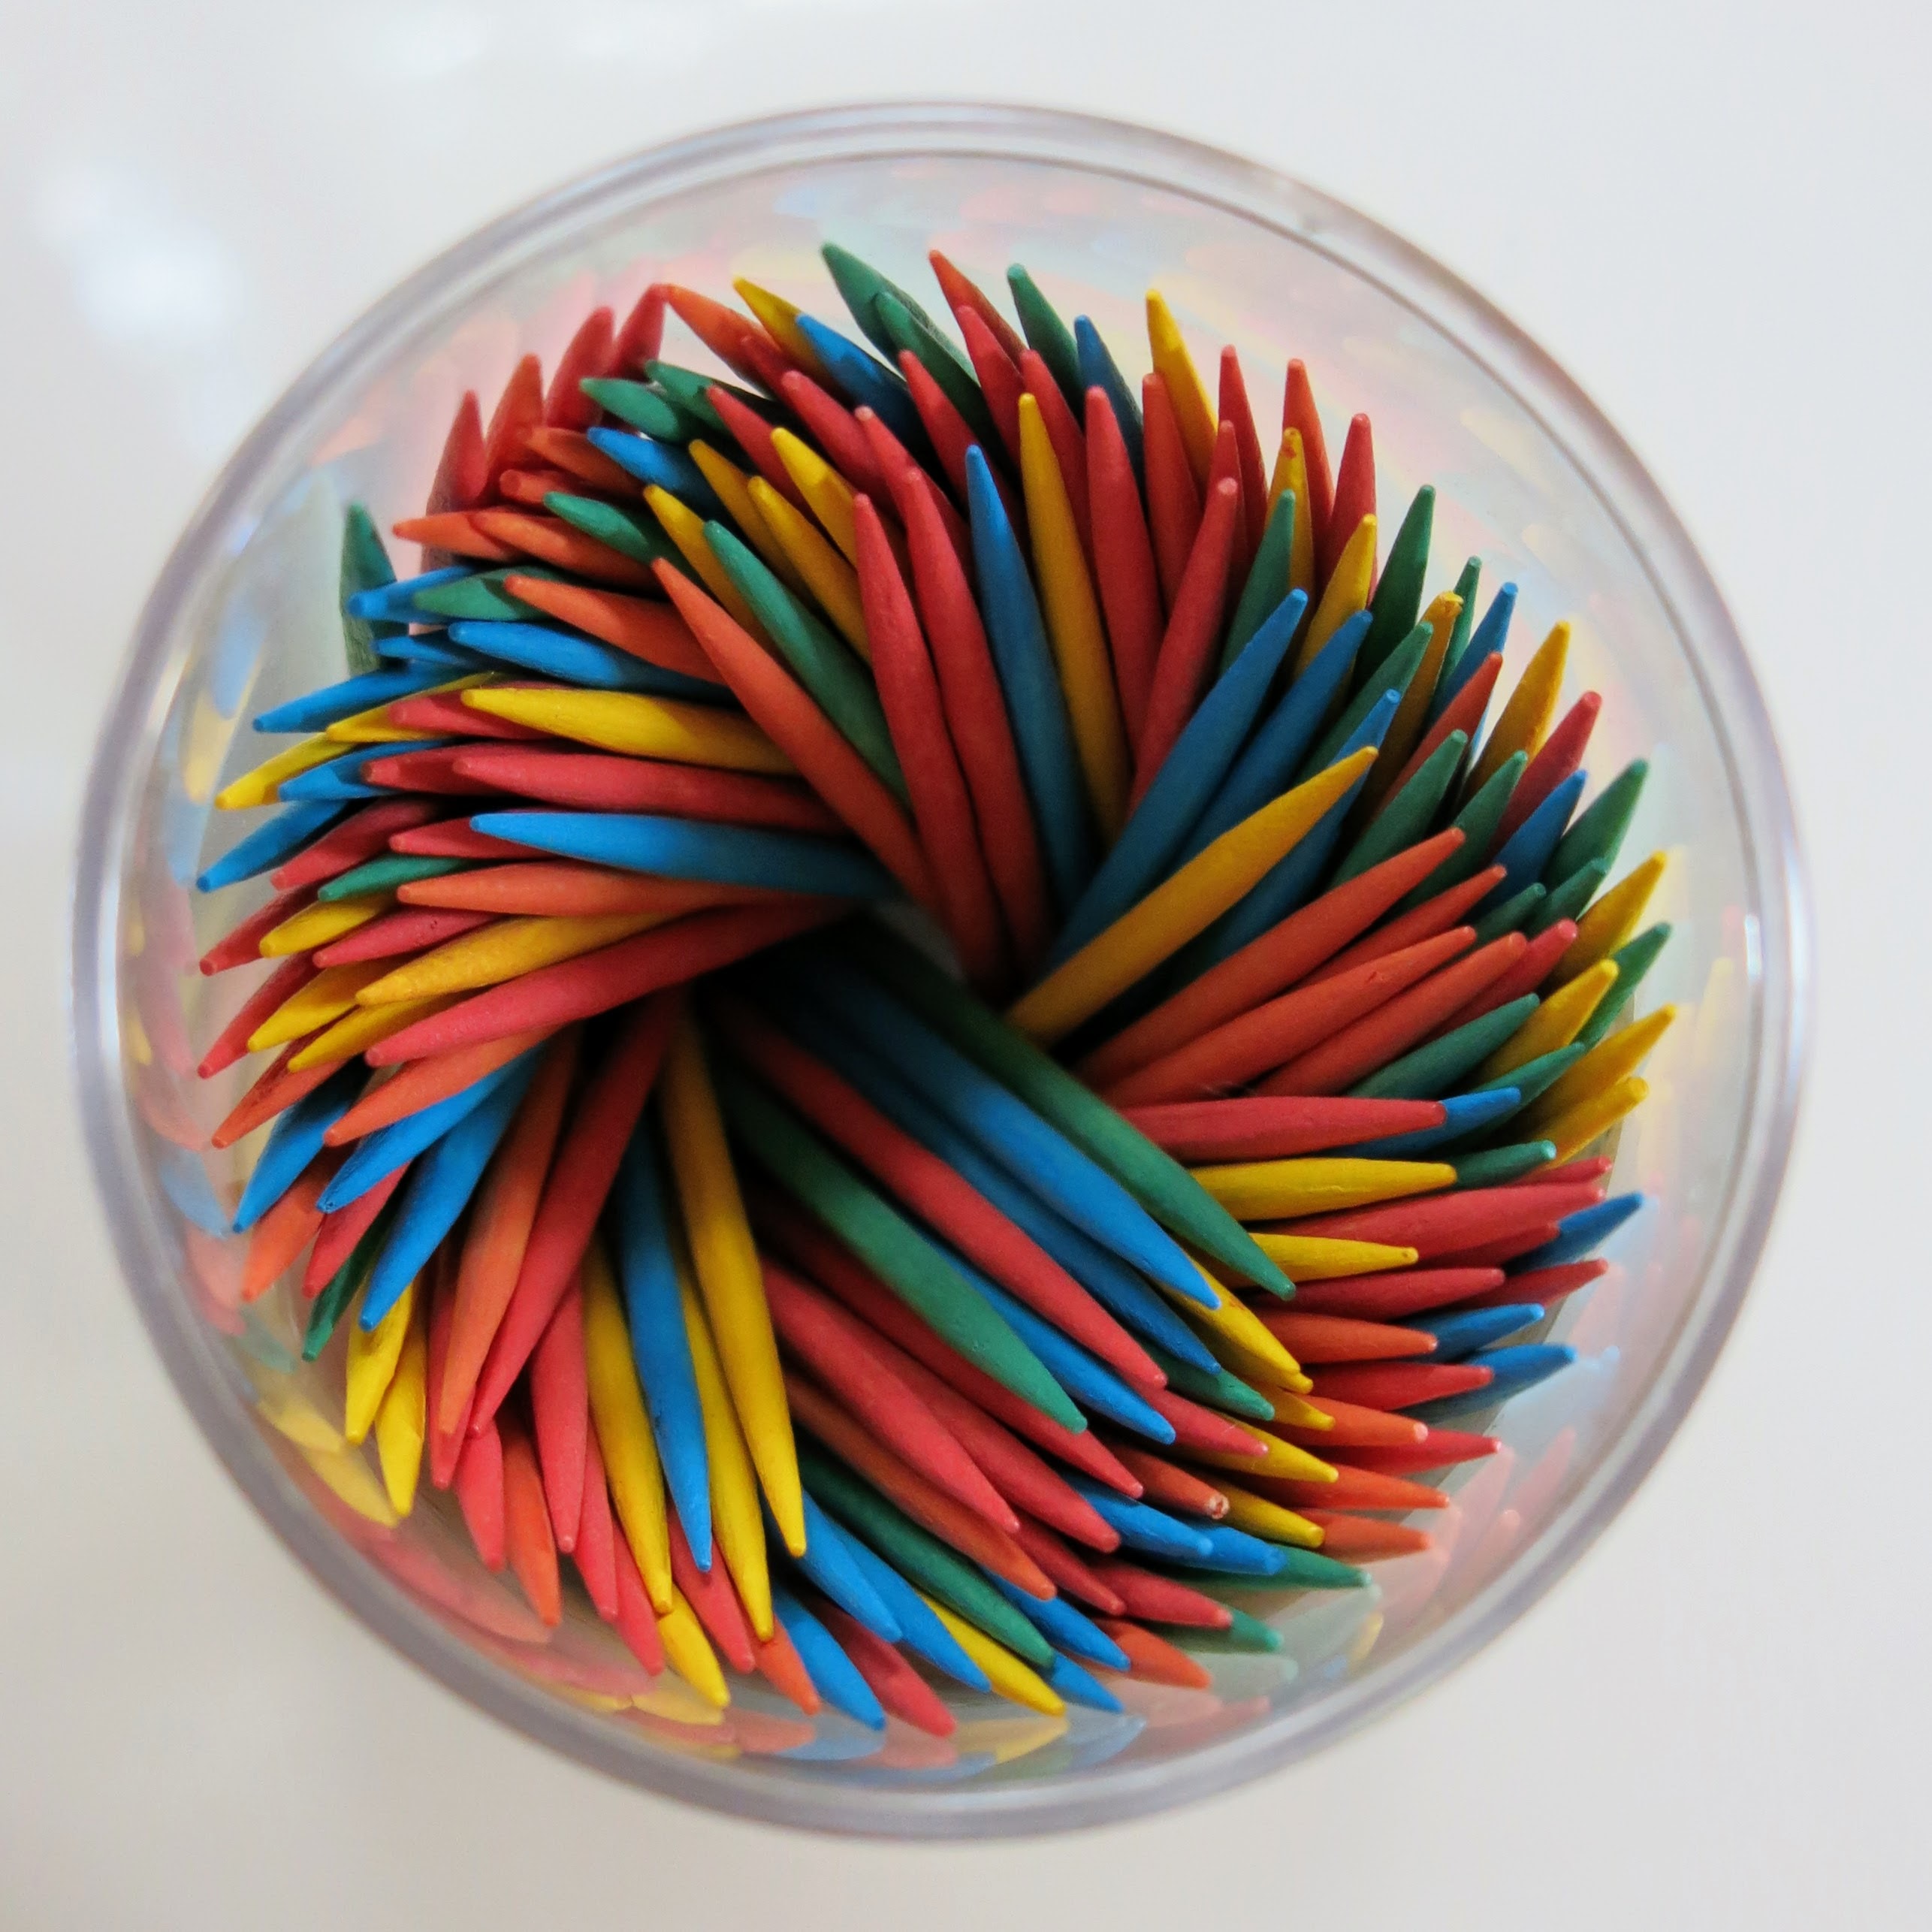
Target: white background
(1715,216)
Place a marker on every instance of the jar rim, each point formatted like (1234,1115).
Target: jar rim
(1777,1033)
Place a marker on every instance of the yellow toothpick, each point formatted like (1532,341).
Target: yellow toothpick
(1606,1064)
(1554,1024)
(640,727)
(1072,615)
(361,1028)
(827,492)
(686,528)
(1405,728)
(1281,1190)
(262,786)
(1346,592)
(1010,1677)
(780,320)
(505,949)
(623,1431)
(1308,1258)
(724,1259)
(1193,409)
(732,488)
(1525,719)
(736,1521)
(1606,925)
(831,579)
(318,924)
(1180,907)
(402,1421)
(688,1651)
(1291,475)
(327,996)
(1573,1131)
(373,1353)
(1269,1520)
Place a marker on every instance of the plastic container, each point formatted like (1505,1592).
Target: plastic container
(1531,479)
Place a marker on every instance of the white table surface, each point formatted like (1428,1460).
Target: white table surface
(1714,215)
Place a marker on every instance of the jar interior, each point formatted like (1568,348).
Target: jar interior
(257,624)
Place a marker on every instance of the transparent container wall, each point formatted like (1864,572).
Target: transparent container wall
(246,618)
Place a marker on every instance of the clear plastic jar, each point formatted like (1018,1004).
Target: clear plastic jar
(1530,479)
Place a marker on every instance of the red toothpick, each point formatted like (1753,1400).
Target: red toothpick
(585,1163)
(641,335)
(479,1494)
(1069,445)
(597,782)
(1300,413)
(587,353)
(1173,498)
(1562,752)
(915,713)
(1356,1051)
(1124,570)
(1354,495)
(836,431)
(845,1357)
(1193,634)
(1243,1048)
(560,1417)
(999,376)
(528,1541)
(976,716)
(961,294)
(647,627)
(1234,407)
(753,434)
(518,411)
